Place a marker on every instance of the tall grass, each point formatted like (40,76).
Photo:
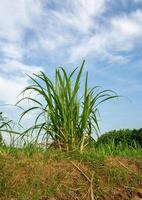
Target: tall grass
(66,119)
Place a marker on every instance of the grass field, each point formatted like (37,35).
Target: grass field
(32,173)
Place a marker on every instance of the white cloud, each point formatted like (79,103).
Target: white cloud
(79,15)
(13,66)
(121,34)
(79,29)
(10,88)
(129,25)
(136,1)
(72,24)
(13,80)
(11,50)
(15,17)
(74,29)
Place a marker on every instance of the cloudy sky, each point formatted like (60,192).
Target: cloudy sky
(44,34)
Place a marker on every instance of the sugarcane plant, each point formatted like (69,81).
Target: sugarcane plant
(63,115)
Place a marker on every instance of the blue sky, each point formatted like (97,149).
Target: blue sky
(44,34)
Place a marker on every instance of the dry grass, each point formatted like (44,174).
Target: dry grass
(132,165)
(37,178)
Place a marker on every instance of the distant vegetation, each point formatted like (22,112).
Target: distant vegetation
(123,137)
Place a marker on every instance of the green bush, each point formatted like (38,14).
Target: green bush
(124,137)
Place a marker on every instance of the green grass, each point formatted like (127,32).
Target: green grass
(30,149)
(119,150)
